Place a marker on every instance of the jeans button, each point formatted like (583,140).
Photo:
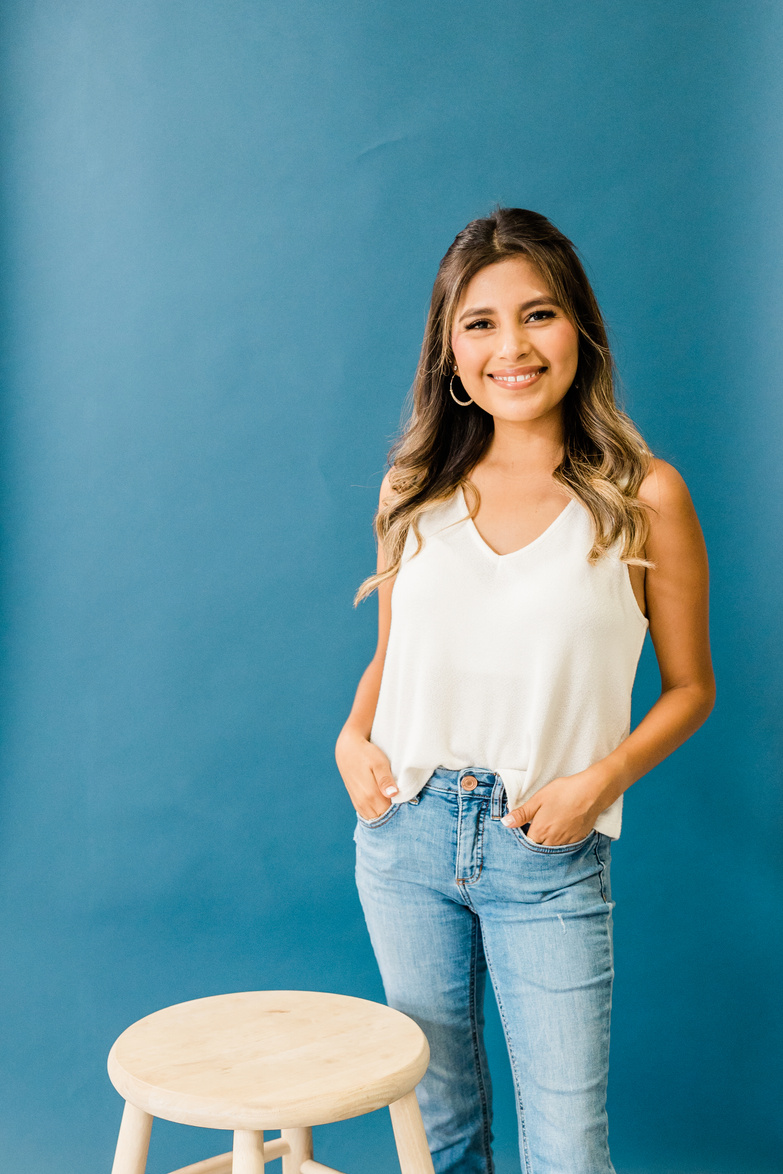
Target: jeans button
(469,783)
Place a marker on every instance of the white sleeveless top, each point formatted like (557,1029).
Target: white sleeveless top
(522,663)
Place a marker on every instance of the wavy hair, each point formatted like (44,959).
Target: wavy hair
(605,458)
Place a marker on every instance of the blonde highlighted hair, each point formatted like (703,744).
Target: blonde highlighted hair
(605,458)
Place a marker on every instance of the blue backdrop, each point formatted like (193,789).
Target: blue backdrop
(222,223)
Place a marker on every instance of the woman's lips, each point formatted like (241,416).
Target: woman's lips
(518,377)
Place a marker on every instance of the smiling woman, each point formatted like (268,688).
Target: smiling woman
(529,540)
(486,340)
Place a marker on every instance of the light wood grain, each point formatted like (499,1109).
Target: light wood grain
(130,1156)
(222,1163)
(248,1152)
(259,1060)
(300,1149)
(412,1148)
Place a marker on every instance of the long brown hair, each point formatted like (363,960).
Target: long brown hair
(605,458)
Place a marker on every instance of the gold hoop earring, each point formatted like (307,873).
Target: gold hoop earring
(463,403)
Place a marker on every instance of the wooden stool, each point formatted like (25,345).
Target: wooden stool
(260,1060)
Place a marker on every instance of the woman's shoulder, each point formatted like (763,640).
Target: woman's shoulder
(671,512)
(386,493)
(663,489)
(428,518)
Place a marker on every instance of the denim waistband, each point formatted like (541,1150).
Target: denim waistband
(483,776)
(489,785)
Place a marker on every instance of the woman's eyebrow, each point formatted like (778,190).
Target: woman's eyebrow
(525,306)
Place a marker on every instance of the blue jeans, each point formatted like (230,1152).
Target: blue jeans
(450,893)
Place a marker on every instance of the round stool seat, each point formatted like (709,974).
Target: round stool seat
(268,1060)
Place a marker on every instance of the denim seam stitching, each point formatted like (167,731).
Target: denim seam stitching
(476,874)
(486,1134)
(459,843)
(601,871)
(514,1068)
(608,1020)
(550,849)
(381,820)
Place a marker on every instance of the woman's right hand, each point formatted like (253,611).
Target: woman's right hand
(366,772)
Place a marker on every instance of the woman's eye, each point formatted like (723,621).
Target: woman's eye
(536,316)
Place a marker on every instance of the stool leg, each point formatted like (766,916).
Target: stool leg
(301,1143)
(412,1148)
(130,1156)
(248,1152)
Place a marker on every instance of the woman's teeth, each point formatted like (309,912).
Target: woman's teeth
(517,378)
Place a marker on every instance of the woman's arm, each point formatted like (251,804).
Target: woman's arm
(365,769)
(677,591)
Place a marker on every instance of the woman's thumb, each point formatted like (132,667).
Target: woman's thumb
(519,816)
(384,778)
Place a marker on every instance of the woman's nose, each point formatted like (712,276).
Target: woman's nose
(514,342)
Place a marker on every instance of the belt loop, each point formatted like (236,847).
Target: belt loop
(498,793)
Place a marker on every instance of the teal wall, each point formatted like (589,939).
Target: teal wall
(222,219)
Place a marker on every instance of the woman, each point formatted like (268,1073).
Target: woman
(530,539)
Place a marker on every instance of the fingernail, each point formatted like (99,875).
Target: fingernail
(508,820)
(390,791)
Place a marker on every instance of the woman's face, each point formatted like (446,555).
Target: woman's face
(516,351)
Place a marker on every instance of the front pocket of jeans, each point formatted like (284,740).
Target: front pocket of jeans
(380,820)
(553,849)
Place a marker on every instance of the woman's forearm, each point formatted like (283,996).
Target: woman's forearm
(677,714)
(362,713)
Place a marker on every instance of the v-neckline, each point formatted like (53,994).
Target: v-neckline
(521,549)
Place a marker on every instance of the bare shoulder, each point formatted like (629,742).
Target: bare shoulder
(677,584)
(664,489)
(387,493)
(673,521)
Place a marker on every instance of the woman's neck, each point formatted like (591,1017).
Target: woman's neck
(525,448)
